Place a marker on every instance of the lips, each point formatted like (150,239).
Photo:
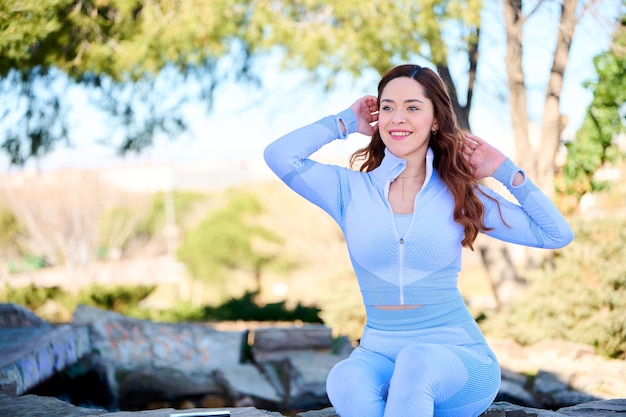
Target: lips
(399,134)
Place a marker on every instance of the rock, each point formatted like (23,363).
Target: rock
(504,409)
(272,339)
(15,315)
(297,368)
(325,412)
(246,382)
(600,408)
(558,373)
(515,393)
(180,366)
(33,349)
(35,406)
(142,359)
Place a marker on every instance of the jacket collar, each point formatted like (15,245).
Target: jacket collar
(392,166)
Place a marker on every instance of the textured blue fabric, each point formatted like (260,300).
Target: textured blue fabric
(426,361)
(422,266)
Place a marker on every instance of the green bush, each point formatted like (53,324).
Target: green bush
(10,229)
(30,296)
(154,220)
(121,298)
(127,300)
(229,238)
(582,300)
(246,309)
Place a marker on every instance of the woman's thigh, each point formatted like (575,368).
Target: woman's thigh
(446,379)
(358,385)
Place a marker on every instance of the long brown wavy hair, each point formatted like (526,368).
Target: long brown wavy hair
(446,144)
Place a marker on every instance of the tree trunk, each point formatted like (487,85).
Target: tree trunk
(514,22)
(552,124)
(539,164)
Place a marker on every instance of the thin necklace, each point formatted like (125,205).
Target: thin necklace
(405,178)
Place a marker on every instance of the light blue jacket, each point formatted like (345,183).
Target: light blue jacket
(422,266)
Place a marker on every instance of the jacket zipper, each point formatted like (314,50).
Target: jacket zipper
(401,272)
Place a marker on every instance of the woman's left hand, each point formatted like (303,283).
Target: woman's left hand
(483,158)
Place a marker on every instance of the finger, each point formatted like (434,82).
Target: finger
(474,139)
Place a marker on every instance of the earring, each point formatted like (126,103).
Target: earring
(434,132)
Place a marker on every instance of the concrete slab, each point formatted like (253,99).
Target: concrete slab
(32,351)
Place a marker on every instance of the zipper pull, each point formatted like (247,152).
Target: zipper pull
(401,241)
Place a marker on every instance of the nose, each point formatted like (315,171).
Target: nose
(398,117)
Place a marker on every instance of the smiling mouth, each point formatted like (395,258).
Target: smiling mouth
(399,135)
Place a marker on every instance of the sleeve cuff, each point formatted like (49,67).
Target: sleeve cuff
(349,120)
(506,172)
(333,123)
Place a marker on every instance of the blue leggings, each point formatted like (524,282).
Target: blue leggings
(434,371)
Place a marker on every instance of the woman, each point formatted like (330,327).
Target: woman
(406,214)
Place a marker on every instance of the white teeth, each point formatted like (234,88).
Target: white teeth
(400,133)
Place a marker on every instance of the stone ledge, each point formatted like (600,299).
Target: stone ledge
(33,350)
(35,406)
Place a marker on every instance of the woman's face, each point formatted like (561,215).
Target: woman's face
(406,118)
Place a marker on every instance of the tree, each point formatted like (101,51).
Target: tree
(117,48)
(60,216)
(540,162)
(229,238)
(605,120)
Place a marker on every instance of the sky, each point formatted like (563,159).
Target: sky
(244,119)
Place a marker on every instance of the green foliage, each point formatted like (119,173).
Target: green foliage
(605,119)
(154,220)
(120,38)
(120,49)
(121,298)
(10,231)
(583,300)
(116,48)
(24,25)
(123,226)
(28,263)
(228,238)
(246,309)
(30,296)
(127,300)
(331,37)
(182,202)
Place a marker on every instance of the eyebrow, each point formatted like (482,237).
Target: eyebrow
(411,100)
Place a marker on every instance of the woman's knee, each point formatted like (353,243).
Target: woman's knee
(357,387)
(351,375)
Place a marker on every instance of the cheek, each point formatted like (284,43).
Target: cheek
(383,119)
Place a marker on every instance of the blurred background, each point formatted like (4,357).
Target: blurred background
(132,135)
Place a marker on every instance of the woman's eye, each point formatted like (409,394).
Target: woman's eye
(413,108)
(386,108)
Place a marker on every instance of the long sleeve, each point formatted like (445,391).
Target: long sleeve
(288,158)
(535,221)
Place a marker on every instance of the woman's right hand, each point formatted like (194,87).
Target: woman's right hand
(366,110)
